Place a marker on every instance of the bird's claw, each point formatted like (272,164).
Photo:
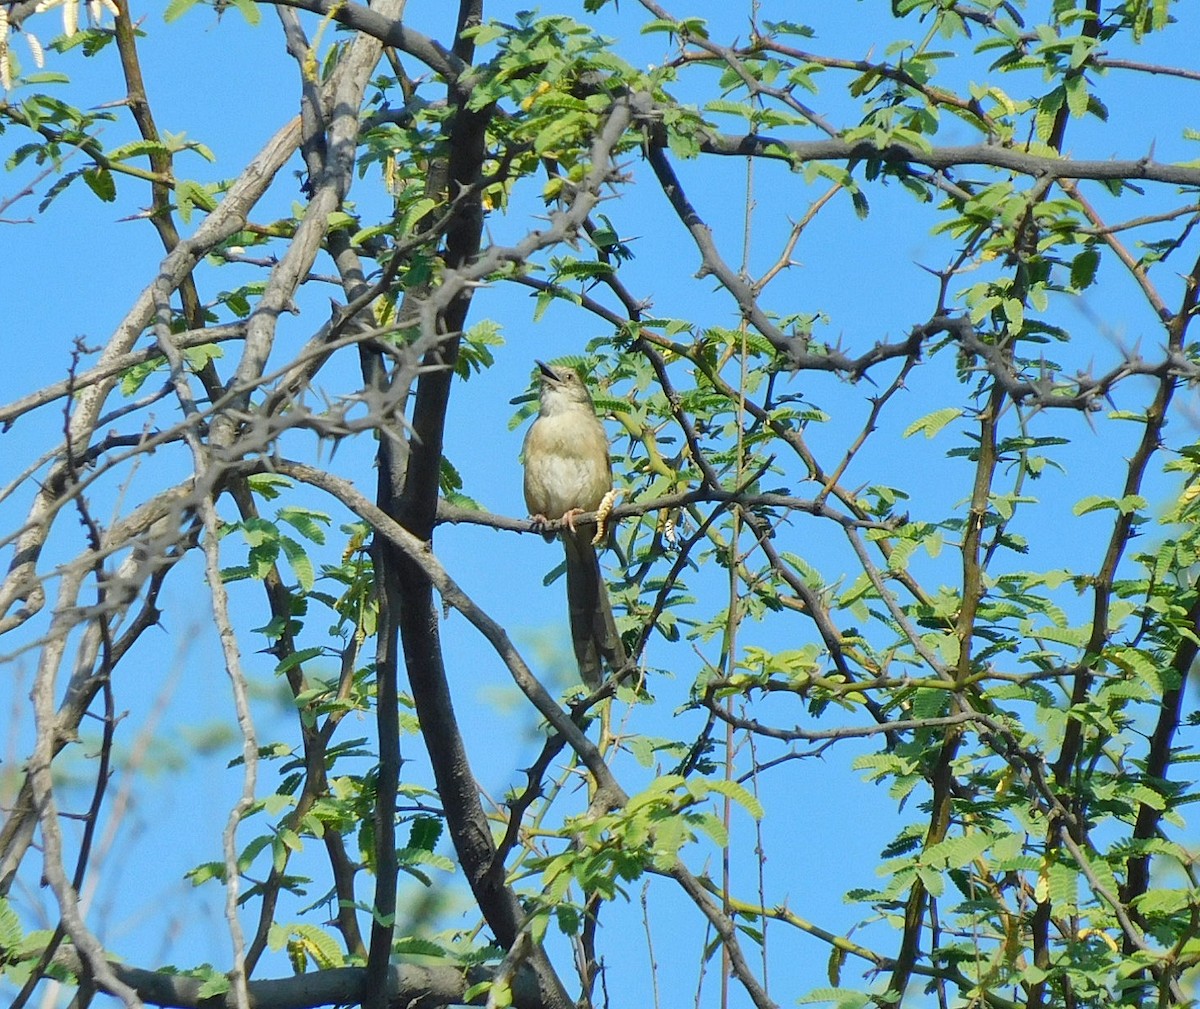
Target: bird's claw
(569,517)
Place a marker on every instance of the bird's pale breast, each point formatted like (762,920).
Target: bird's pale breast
(566,464)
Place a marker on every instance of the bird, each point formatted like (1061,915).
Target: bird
(568,471)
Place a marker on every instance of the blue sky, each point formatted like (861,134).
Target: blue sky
(76,269)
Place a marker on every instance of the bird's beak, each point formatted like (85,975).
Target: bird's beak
(548,373)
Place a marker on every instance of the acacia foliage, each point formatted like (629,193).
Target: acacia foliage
(1002,639)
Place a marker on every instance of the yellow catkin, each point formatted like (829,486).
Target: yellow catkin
(602,513)
(35,50)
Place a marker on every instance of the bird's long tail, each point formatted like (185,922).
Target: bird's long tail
(593,629)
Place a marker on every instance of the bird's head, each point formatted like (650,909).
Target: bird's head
(562,389)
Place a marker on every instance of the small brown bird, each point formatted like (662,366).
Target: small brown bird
(568,472)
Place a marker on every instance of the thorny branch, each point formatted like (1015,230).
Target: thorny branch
(234,429)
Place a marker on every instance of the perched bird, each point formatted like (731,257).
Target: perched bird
(567,473)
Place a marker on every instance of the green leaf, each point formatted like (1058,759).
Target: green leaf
(408,859)
(738,793)
(198,357)
(932,423)
(788,28)
(251,851)
(10,925)
(214,985)
(58,189)
(1047,111)
(424,832)
(100,181)
(135,377)
(957,852)
(658,25)
(297,658)
(1093,502)
(1014,312)
(189,195)
(727,107)
(1161,901)
(257,531)
(542,302)
(206,871)
(476,991)
(556,132)
(568,918)
(249,10)
(483,34)
(20,154)
(305,522)
(412,216)
(1132,503)
(177,8)
(1077,95)
(683,145)
(299,561)
(414,945)
(500,994)
(1064,886)
(1146,795)
(135,148)
(934,881)
(268,485)
(839,998)
(1083,269)
(901,552)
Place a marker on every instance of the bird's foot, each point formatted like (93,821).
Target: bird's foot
(569,517)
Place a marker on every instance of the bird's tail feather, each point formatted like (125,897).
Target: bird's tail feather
(593,628)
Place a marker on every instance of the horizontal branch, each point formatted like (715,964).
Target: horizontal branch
(409,985)
(944,158)
(458,515)
(1083,392)
(116,366)
(797,734)
(388,31)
